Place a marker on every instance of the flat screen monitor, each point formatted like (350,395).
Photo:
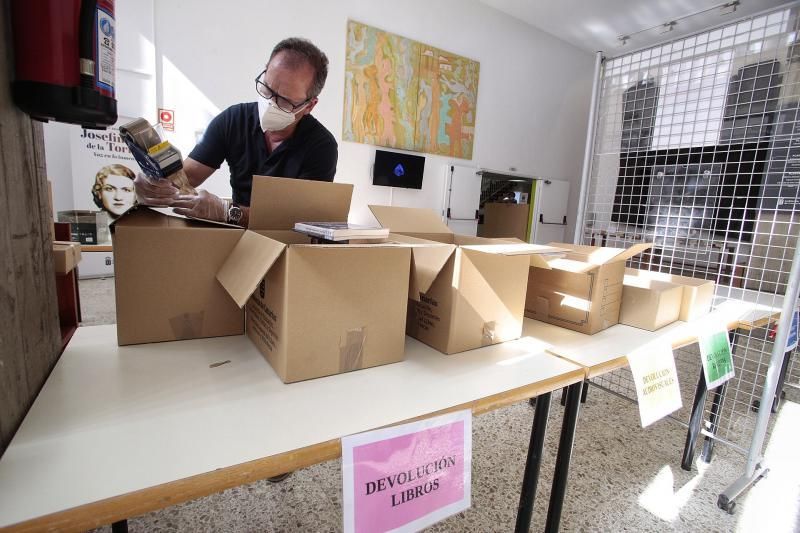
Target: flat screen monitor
(393,169)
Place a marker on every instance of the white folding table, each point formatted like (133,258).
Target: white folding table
(120,431)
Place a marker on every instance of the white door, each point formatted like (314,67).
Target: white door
(462,199)
(550,215)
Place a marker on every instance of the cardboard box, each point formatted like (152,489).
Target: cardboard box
(66,256)
(474,293)
(649,304)
(164,275)
(312,310)
(698,294)
(315,310)
(581,291)
(505,220)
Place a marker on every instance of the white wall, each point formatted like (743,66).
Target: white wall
(533,95)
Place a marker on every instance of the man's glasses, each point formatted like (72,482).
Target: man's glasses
(283,103)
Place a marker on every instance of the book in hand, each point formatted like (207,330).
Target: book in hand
(341,231)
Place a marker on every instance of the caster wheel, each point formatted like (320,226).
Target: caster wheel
(726,505)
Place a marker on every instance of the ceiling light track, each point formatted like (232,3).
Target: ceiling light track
(725,8)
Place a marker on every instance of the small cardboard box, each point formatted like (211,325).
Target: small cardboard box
(316,309)
(164,276)
(581,291)
(698,294)
(649,304)
(66,256)
(474,292)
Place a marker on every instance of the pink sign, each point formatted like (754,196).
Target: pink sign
(405,478)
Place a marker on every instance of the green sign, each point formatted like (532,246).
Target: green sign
(715,351)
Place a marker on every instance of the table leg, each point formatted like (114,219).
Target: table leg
(716,406)
(694,422)
(530,479)
(564,456)
(585,391)
(120,527)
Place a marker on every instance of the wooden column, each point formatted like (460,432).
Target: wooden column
(29,330)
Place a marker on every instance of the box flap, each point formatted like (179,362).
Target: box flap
(570,265)
(143,215)
(277,203)
(540,255)
(426,263)
(247,265)
(600,255)
(409,219)
(427,260)
(636,249)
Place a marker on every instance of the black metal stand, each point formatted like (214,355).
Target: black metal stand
(120,527)
(694,422)
(584,394)
(716,406)
(787,357)
(564,456)
(527,496)
(696,418)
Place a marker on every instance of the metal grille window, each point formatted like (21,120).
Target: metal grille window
(697,150)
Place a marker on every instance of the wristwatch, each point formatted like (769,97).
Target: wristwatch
(234,214)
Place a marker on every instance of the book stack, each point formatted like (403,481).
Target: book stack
(341,231)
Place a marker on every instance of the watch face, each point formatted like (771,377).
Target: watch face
(234,214)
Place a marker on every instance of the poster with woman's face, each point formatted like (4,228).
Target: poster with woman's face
(103,171)
(113,189)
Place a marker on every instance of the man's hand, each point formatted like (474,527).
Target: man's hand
(157,193)
(204,205)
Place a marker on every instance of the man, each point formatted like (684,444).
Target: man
(275,136)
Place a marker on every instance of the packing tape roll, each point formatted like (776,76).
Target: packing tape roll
(351,349)
(142,132)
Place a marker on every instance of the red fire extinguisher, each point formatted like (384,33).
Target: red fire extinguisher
(65,60)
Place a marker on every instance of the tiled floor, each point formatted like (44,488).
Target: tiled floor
(622,478)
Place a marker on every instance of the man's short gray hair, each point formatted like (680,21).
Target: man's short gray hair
(302,50)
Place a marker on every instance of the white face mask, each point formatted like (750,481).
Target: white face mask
(272,117)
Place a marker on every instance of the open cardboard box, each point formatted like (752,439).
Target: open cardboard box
(164,276)
(581,291)
(311,309)
(698,294)
(474,295)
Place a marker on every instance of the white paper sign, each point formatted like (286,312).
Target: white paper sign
(408,477)
(653,369)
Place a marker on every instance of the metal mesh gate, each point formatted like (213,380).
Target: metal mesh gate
(697,150)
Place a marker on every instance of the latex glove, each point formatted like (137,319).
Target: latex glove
(203,205)
(158,193)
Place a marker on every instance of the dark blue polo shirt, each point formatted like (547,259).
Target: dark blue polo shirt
(235,136)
